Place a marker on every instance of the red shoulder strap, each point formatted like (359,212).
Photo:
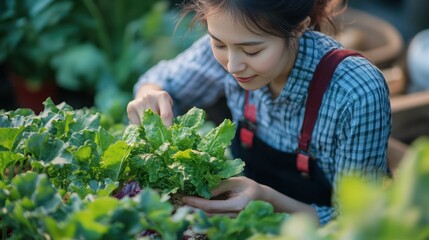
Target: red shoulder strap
(320,82)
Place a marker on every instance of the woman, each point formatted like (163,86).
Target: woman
(263,56)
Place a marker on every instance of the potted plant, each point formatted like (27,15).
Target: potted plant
(118,40)
(32,32)
(91,46)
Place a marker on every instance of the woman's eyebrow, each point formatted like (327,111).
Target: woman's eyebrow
(249,43)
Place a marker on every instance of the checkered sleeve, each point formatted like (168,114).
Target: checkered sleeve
(364,127)
(325,213)
(364,124)
(193,78)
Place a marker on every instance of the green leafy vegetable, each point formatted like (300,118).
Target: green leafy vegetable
(257,217)
(180,159)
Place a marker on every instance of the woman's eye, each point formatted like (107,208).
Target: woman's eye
(218,46)
(222,47)
(251,53)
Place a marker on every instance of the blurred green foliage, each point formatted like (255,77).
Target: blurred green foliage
(31,33)
(100,47)
(397,210)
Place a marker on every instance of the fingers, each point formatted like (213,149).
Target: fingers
(133,117)
(231,205)
(231,196)
(231,215)
(159,101)
(166,109)
(133,110)
(210,214)
(224,187)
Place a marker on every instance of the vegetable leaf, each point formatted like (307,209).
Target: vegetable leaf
(115,159)
(218,139)
(155,130)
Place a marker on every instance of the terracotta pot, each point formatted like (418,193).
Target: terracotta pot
(374,37)
(30,94)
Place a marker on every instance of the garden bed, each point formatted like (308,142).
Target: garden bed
(68,174)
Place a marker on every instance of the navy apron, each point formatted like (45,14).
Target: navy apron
(295,174)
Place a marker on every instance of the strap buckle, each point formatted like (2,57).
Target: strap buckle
(247,133)
(303,162)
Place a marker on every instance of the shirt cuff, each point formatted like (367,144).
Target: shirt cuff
(325,213)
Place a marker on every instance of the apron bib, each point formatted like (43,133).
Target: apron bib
(295,174)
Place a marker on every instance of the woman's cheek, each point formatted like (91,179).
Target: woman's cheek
(220,57)
(266,63)
(265,66)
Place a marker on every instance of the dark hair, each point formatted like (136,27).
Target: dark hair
(275,17)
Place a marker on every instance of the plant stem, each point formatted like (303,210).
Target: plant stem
(21,165)
(11,172)
(101,29)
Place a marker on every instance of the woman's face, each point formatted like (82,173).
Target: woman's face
(254,60)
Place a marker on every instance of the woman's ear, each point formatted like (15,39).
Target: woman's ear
(302,26)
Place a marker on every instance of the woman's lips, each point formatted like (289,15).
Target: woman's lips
(244,80)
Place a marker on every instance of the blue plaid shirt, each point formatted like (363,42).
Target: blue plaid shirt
(353,124)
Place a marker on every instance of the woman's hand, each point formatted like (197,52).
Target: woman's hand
(236,193)
(153,97)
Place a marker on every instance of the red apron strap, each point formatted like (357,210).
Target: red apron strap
(320,82)
(249,109)
(247,131)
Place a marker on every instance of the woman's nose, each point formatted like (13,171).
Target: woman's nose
(235,64)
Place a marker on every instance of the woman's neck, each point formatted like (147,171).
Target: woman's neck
(276,86)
